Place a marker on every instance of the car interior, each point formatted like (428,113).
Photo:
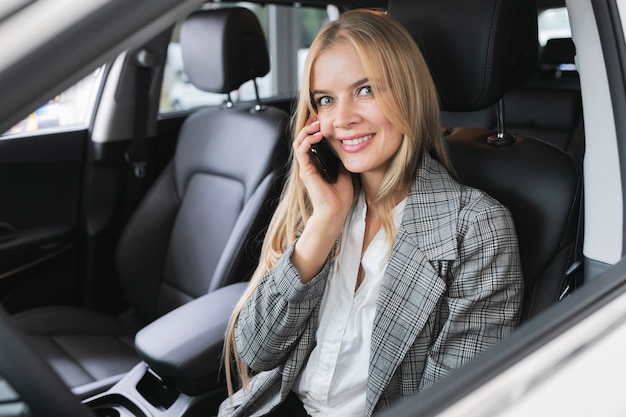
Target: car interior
(202,216)
(157,279)
(547,106)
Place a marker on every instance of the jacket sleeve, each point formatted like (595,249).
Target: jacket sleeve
(281,311)
(483,301)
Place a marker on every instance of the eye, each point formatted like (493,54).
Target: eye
(324,101)
(365,91)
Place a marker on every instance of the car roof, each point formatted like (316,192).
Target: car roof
(541,4)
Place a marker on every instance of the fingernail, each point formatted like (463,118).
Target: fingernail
(315,123)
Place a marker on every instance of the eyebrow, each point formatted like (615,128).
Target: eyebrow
(353,85)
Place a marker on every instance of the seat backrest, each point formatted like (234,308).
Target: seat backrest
(549,105)
(477,51)
(200,226)
(551,114)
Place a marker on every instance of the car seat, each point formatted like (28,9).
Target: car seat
(199,226)
(477,51)
(548,106)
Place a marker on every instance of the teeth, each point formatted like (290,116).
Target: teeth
(357,141)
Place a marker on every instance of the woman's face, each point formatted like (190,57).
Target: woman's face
(349,115)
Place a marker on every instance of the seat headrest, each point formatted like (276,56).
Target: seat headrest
(476,50)
(559,51)
(223,48)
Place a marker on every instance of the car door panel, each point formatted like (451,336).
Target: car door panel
(40,183)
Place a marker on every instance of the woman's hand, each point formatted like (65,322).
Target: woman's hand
(329,200)
(331,204)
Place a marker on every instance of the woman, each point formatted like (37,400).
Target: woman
(373,287)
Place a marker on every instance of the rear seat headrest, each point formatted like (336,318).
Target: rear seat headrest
(476,50)
(559,51)
(223,48)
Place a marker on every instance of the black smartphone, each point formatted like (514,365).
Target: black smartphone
(326,161)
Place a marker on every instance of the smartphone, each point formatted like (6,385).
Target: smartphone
(326,161)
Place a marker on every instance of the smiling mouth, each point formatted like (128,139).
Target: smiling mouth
(357,140)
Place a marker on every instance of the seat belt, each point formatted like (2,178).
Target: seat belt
(137,155)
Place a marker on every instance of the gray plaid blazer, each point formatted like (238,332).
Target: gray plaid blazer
(452,288)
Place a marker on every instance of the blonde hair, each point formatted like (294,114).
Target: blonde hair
(406,95)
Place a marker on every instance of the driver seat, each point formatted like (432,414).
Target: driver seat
(476,52)
(199,226)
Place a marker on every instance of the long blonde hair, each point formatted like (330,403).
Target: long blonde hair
(394,65)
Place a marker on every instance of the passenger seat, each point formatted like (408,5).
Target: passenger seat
(199,227)
(539,183)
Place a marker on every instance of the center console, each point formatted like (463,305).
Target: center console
(180,374)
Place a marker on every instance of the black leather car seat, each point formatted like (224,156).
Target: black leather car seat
(548,106)
(477,51)
(198,228)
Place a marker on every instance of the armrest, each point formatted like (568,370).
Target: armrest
(185,345)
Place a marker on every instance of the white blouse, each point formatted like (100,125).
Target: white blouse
(334,380)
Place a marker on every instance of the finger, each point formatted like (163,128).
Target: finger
(308,135)
(312,128)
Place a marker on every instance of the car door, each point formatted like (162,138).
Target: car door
(41,172)
(65,199)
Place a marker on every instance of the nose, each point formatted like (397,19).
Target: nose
(346,114)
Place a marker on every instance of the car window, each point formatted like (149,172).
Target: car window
(553,23)
(72,108)
(287,56)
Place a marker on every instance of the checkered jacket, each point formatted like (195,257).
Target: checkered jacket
(452,288)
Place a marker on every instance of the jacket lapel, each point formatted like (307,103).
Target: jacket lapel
(412,286)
